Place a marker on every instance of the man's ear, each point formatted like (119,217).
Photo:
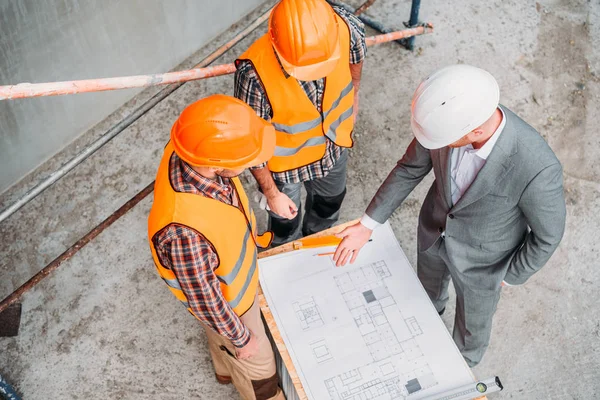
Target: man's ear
(477,132)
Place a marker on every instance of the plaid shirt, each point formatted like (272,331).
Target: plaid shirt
(193,260)
(249,89)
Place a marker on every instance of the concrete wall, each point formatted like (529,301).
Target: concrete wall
(54,40)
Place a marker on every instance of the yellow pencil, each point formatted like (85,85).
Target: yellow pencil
(326,254)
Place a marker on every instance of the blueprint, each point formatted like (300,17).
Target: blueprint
(364,331)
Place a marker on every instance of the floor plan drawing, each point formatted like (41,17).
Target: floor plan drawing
(371,304)
(308,313)
(373,308)
(366,331)
(321,351)
(389,386)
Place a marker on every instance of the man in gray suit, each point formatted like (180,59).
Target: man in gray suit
(496,211)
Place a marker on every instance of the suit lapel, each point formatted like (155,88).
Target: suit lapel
(443,168)
(490,175)
(497,165)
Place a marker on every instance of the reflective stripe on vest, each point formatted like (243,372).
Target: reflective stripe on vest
(301,129)
(228,279)
(290,151)
(305,126)
(249,277)
(230,230)
(174,284)
(331,133)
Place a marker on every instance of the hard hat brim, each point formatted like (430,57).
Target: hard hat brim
(423,140)
(267,148)
(310,72)
(434,145)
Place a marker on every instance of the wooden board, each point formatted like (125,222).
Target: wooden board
(268,316)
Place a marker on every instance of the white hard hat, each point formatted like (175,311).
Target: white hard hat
(452,102)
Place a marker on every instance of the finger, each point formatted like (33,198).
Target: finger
(354,255)
(338,251)
(283,214)
(347,256)
(292,204)
(340,260)
(291,209)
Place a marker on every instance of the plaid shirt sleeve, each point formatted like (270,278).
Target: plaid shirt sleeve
(358,44)
(193,260)
(248,88)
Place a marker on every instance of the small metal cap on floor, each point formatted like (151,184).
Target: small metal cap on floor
(10,320)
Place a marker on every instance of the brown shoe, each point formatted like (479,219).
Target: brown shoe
(223,380)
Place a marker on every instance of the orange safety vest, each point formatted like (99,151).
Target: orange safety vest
(301,128)
(230,230)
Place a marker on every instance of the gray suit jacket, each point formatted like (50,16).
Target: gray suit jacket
(507,224)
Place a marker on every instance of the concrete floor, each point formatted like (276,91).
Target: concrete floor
(103,325)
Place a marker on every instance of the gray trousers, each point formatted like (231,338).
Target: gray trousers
(324,198)
(475,307)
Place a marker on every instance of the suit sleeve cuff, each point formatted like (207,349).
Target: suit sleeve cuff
(369,222)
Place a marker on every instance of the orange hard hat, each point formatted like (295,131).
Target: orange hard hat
(304,34)
(222,132)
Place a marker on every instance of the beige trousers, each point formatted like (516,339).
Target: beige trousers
(255,378)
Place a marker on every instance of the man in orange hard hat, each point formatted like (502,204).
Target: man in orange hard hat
(303,76)
(203,238)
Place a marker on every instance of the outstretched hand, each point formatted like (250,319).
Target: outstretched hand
(353,239)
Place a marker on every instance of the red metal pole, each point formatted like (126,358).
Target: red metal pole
(25,90)
(67,254)
(364,7)
(390,37)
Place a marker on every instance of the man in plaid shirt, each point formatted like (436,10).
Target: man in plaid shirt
(323,178)
(192,258)
(204,245)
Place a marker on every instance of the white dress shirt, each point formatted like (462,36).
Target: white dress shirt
(466,162)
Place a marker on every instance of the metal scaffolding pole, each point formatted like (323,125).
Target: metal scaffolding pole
(123,124)
(94,85)
(413,21)
(378,26)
